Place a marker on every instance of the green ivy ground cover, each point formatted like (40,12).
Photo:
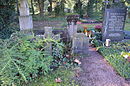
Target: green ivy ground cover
(114,57)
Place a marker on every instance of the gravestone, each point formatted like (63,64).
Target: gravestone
(72,24)
(25,20)
(80,44)
(49,35)
(48,32)
(113,24)
(63,34)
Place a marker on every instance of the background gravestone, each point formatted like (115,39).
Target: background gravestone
(113,24)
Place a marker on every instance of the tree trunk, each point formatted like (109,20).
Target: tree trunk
(90,8)
(96,6)
(32,7)
(17,2)
(41,6)
(50,9)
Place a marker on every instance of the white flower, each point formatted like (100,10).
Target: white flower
(126,56)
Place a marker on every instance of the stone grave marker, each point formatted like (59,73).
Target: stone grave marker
(25,20)
(80,44)
(49,35)
(113,24)
(72,26)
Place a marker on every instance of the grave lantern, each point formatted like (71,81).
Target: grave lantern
(108,42)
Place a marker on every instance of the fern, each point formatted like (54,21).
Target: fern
(23,58)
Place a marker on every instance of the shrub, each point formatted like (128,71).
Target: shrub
(23,58)
(7,18)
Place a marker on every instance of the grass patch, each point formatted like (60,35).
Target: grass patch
(64,73)
(113,55)
(127,26)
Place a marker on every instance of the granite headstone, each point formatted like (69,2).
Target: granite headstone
(113,24)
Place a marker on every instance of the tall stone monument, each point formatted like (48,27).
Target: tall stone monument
(25,20)
(113,24)
(72,26)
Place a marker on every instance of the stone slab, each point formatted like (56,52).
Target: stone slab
(80,44)
(25,22)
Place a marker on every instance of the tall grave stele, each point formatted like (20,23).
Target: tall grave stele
(25,19)
(72,25)
(113,24)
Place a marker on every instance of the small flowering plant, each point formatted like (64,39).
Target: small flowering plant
(98,28)
(126,55)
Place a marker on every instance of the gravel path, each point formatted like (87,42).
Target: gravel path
(97,72)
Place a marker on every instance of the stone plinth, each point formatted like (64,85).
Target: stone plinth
(25,22)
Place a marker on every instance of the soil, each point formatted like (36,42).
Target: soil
(97,72)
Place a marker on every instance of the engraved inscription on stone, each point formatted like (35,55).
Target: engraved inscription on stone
(116,21)
(113,24)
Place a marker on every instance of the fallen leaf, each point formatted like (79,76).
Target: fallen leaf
(77,61)
(58,80)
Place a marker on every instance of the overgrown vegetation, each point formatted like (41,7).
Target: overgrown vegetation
(117,55)
(7,18)
(24,57)
(64,74)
